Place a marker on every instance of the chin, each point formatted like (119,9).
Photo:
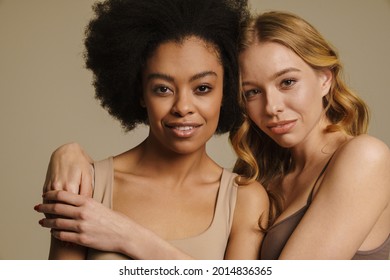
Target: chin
(285,143)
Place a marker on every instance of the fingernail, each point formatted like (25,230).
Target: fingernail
(41,222)
(36,207)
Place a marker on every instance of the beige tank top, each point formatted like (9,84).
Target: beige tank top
(210,244)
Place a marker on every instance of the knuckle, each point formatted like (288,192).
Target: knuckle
(56,223)
(82,227)
(89,202)
(60,235)
(84,239)
(56,208)
(60,195)
(55,185)
(83,215)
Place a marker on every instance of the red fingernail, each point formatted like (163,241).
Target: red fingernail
(41,222)
(36,207)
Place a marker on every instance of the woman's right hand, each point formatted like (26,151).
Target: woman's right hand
(70,169)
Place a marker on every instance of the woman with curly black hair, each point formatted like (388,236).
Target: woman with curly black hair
(170,64)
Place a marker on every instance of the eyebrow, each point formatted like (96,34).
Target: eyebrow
(277,74)
(171,79)
(284,71)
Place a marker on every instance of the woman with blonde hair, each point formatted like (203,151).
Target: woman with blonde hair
(304,138)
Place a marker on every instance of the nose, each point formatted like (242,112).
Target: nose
(274,103)
(183,104)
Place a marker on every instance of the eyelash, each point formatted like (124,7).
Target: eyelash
(206,89)
(163,90)
(290,81)
(252,92)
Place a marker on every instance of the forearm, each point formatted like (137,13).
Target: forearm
(60,250)
(144,244)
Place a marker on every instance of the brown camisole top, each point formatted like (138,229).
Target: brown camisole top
(278,234)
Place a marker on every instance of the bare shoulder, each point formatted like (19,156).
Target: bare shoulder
(361,163)
(252,197)
(253,191)
(365,147)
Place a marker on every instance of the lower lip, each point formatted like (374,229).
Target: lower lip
(183,133)
(283,129)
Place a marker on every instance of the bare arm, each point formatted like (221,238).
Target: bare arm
(69,169)
(132,239)
(251,210)
(351,209)
(91,224)
(61,250)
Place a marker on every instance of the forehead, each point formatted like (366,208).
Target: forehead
(191,53)
(268,58)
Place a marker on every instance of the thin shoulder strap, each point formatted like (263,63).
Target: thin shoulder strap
(310,198)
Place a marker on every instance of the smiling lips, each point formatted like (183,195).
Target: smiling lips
(183,130)
(281,127)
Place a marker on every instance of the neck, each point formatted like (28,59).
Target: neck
(158,162)
(318,146)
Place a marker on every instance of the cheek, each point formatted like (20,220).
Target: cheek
(212,113)
(155,111)
(255,113)
(213,107)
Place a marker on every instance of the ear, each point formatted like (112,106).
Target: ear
(326,77)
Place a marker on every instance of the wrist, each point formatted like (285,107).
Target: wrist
(143,244)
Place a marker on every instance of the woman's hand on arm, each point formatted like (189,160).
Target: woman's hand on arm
(70,169)
(251,210)
(350,211)
(90,224)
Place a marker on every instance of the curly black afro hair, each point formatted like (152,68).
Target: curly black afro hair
(124,33)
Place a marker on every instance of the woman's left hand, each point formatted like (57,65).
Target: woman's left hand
(84,221)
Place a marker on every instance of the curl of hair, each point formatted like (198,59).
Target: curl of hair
(124,33)
(260,158)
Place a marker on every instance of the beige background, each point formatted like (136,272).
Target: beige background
(46,97)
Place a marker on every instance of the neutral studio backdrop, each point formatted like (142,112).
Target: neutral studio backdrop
(46,97)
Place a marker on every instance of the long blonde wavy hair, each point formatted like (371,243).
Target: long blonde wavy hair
(259,157)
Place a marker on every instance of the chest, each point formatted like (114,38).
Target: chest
(297,192)
(171,212)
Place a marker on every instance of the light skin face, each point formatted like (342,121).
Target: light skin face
(283,93)
(183,85)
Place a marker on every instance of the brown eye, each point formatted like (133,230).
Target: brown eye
(288,82)
(162,90)
(251,93)
(203,89)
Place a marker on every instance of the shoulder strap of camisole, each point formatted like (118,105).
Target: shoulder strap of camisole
(103,171)
(226,200)
(310,198)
